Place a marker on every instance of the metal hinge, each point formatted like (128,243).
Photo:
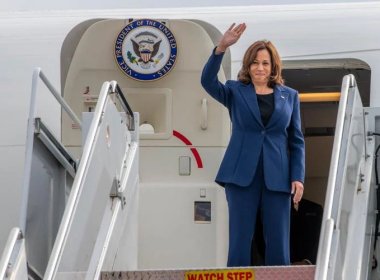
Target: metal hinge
(116,193)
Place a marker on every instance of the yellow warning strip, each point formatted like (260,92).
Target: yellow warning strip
(304,272)
(221,274)
(319,97)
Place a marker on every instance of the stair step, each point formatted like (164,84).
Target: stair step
(294,272)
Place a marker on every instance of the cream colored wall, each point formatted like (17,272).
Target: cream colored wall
(169,237)
(94,62)
(318,148)
(318,157)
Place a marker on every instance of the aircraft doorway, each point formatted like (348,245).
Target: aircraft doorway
(318,125)
(171,177)
(319,118)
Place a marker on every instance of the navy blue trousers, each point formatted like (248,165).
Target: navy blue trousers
(243,206)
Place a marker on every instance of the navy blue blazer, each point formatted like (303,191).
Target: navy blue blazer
(281,140)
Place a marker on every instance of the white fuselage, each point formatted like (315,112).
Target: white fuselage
(304,34)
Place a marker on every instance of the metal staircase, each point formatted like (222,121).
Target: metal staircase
(79,218)
(74,213)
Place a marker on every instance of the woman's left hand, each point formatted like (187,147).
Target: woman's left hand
(297,190)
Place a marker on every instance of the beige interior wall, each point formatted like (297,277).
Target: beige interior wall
(318,157)
(94,62)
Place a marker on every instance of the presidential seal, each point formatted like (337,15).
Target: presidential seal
(146,50)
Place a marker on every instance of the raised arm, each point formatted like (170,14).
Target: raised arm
(209,77)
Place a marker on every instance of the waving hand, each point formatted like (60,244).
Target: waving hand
(230,37)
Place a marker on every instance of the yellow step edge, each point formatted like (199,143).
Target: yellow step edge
(319,97)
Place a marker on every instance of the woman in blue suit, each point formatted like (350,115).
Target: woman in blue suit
(265,160)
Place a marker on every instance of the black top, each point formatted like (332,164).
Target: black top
(266,105)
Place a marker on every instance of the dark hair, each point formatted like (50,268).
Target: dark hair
(251,54)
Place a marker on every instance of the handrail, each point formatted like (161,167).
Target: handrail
(336,148)
(59,98)
(348,82)
(55,147)
(107,88)
(325,249)
(14,235)
(124,104)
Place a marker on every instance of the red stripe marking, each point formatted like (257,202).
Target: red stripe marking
(183,138)
(197,157)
